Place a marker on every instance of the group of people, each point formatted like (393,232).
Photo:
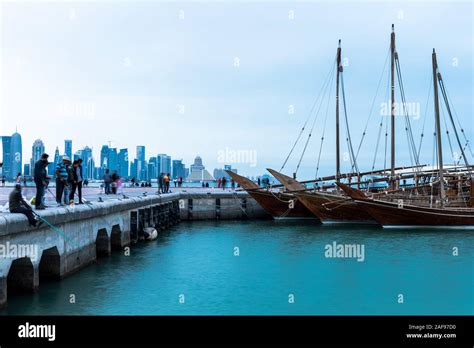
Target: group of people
(164,183)
(112,182)
(222,182)
(69,178)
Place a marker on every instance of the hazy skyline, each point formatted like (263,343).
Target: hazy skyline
(190,79)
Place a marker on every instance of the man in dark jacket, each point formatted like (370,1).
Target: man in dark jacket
(73,180)
(17,205)
(41,180)
(80,179)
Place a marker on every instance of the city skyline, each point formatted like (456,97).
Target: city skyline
(12,154)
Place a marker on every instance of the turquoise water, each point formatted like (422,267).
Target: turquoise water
(196,259)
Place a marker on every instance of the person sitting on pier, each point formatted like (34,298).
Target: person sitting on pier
(17,205)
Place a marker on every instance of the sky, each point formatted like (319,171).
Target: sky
(232,81)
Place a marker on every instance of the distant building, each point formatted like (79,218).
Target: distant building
(26,170)
(151,171)
(54,162)
(36,151)
(113,160)
(123,163)
(87,163)
(178,169)
(198,172)
(68,148)
(141,169)
(163,163)
(154,174)
(219,173)
(104,159)
(57,157)
(89,171)
(133,169)
(7,157)
(16,154)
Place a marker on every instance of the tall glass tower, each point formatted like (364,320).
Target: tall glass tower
(7,157)
(16,155)
(68,148)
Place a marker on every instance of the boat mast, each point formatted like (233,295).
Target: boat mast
(339,70)
(392,107)
(438,127)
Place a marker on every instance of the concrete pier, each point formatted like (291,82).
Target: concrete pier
(78,235)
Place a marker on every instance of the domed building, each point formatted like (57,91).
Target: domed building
(198,172)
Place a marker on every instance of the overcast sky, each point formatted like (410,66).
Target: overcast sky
(187,78)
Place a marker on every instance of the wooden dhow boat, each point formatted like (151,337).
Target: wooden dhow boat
(279,205)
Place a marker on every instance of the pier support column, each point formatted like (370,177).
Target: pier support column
(22,277)
(51,266)
(117,238)
(3,292)
(102,243)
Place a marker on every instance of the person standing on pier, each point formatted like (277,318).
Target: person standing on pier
(160,183)
(219,183)
(223,182)
(107,181)
(79,179)
(258,181)
(73,180)
(17,205)
(114,179)
(3,181)
(167,182)
(41,180)
(61,179)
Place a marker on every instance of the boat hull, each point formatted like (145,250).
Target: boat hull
(331,208)
(390,215)
(278,205)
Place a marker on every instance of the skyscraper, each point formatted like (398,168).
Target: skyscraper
(68,148)
(141,162)
(57,157)
(52,165)
(178,169)
(87,163)
(151,171)
(104,159)
(164,163)
(153,175)
(133,169)
(7,157)
(123,163)
(113,160)
(16,153)
(36,151)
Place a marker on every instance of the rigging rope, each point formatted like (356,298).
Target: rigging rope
(446,102)
(408,129)
(348,133)
(373,104)
(328,85)
(424,117)
(307,119)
